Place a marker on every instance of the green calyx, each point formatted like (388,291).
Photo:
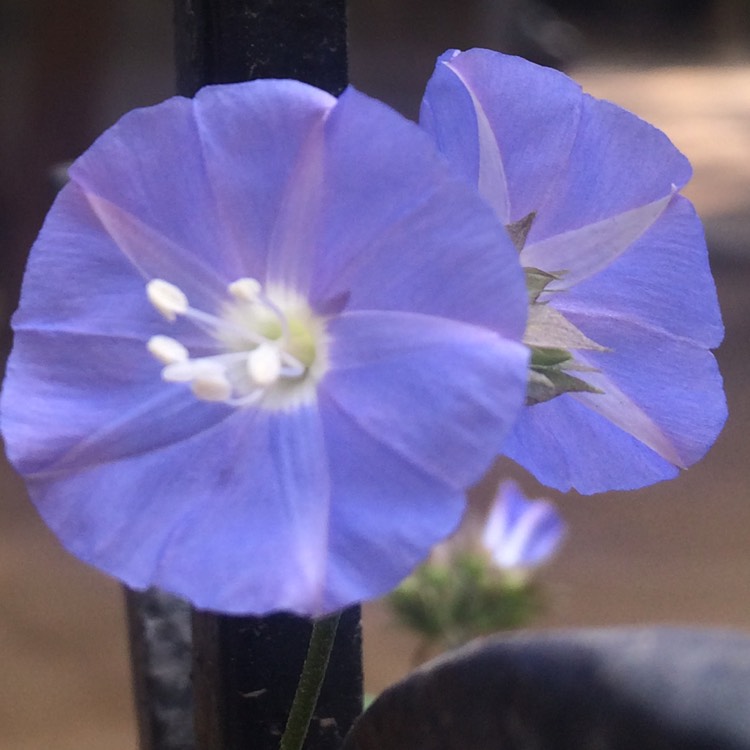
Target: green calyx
(519,230)
(549,375)
(548,357)
(452,603)
(549,334)
(537,282)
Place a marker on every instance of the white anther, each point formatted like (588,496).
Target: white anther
(167,298)
(192,369)
(264,364)
(245,289)
(212,387)
(179,372)
(207,378)
(167,350)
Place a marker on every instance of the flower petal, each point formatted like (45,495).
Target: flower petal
(397,375)
(70,401)
(675,381)
(581,253)
(663,406)
(257,141)
(490,172)
(562,152)
(618,163)
(174,168)
(532,111)
(663,282)
(155,256)
(78,281)
(416,227)
(149,168)
(234,519)
(567,446)
(521,533)
(297,222)
(386,513)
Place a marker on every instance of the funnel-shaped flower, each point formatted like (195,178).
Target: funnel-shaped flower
(254,361)
(623,390)
(480,581)
(521,533)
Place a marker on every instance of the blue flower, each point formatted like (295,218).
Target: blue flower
(623,388)
(520,533)
(254,362)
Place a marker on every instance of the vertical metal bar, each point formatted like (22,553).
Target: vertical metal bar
(225,41)
(160,647)
(245,670)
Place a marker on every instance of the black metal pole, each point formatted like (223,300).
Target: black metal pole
(225,41)
(246,670)
(160,649)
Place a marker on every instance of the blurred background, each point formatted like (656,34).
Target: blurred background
(678,552)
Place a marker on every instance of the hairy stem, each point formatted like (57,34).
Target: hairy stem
(311,679)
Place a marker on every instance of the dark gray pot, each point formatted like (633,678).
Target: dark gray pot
(656,688)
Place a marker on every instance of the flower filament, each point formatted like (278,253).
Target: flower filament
(271,351)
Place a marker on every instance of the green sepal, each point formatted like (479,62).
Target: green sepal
(537,281)
(551,382)
(454,602)
(419,601)
(519,230)
(542,356)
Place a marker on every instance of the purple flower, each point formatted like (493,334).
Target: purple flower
(329,377)
(521,533)
(623,389)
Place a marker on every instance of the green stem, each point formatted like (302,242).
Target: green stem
(310,681)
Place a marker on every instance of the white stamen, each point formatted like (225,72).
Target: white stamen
(264,364)
(167,298)
(254,349)
(167,350)
(178,372)
(192,369)
(245,289)
(212,387)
